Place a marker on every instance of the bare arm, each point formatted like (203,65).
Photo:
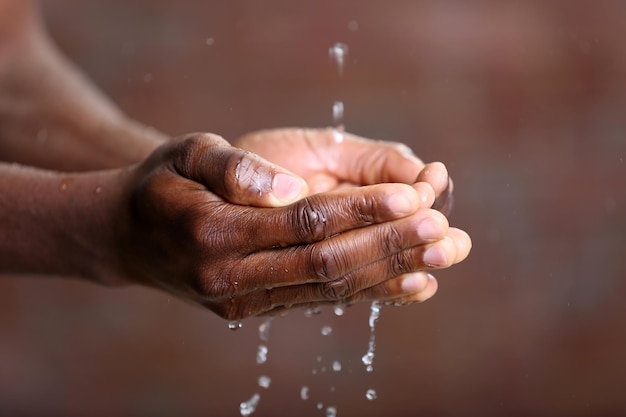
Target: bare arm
(51,116)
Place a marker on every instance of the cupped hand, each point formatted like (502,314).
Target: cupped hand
(328,159)
(185,225)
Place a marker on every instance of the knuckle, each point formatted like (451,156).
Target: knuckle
(338,289)
(310,220)
(217,286)
(323,263)
(392,239)
(365,207)
(400,263)
(247,174)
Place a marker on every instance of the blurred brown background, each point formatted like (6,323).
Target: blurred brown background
(525,101)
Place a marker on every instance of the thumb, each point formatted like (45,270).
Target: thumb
(238,176)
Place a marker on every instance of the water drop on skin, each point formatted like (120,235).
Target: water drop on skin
(339,311)
(320,406)
(98,190)
(371,394)
(248,407)
(336,366)
(326,330)
(331,412)
(235,324)
(210,41)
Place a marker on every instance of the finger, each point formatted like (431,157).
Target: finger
(346,257)
(406,289)
(441,254)
(238,176)
(437,176)
(320,216)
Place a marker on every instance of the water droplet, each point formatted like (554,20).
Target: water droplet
(338,113)
(264,381)
(209,41)
(319,359)
(98,190)
(371,394)
(313,311)
(264,330)
(326,330)
(235,324)
(374,314)
(320,406)
(338,53)
(368,358)
(339,310)
(63,186)
(331,412)
(353,26)
(336,366)
(248,407)
(304,393)
(261,355)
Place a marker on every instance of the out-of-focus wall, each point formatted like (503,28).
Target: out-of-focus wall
(525,101)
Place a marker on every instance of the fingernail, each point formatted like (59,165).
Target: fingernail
(402,203)
(429,229)
(286,187)
(414,283)
(434,256)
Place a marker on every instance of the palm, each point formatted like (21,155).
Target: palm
(327,159)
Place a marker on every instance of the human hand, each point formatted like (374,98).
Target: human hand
(328,159)
(179,227)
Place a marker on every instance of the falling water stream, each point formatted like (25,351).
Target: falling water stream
(338,54)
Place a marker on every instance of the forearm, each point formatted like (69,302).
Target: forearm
(52,117)
(56,224)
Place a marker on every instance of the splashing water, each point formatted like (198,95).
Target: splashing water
(368,358)
(248,407)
